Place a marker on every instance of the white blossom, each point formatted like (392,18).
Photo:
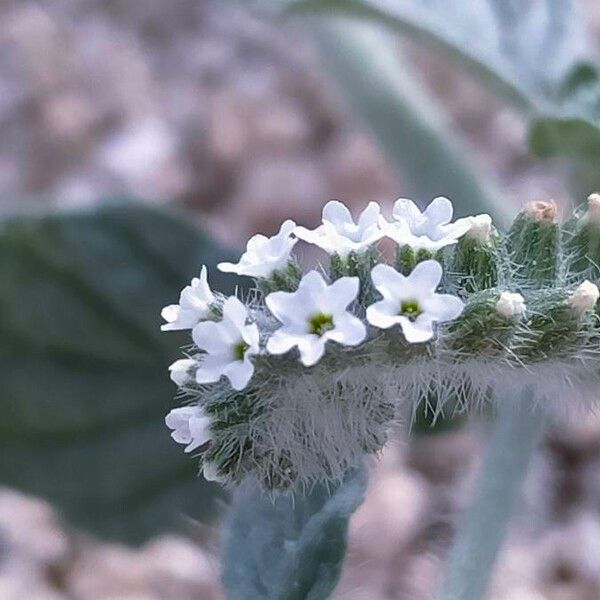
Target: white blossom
(584,298)
(510,304)
(314,314)
(190,425)
(264,255)
(411,301)
(194,305)
(340,234)
(428,230)
(229,345)
(481,228)
(180,370)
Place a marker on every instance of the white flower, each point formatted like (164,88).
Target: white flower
(510,305)
(190,425)
(410,301)
(584,298)
(314,314)
(427,230)
(340,234)
(264,255)
(180,370)
(229,344)
(481,228)
(194,305)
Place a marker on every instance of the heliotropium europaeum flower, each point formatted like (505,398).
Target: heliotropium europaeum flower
(264,255)
(313,315)
(194,305)
(190,425)
(411,301)
(429,230)
(228,345)
(340,234)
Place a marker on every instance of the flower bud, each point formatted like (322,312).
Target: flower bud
(584,298)
(510,305)
(582,246)
(533,245)
(474,262)
(592,215)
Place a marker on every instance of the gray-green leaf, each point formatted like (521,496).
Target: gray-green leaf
(84,386)
(288,548)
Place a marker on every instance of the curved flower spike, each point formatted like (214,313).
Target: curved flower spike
(428,230)
(190,425)
(228,344)
(194,305)
(264,255)
(339,233)
(313,315)
(411,301)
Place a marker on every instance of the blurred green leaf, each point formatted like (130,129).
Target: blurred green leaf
(84,387)
(430,161)
(518,49)
(289,548)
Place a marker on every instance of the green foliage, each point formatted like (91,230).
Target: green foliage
(531,54)
(83,365)
(289,548)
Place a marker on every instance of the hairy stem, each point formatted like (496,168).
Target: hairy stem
(505,463)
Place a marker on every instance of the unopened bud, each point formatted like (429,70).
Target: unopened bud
(481,228)
(584,298)
(542,210)
(593,211)
(510,304)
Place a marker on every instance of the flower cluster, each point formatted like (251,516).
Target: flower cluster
(308,375)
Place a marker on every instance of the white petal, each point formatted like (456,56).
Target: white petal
(417,331)
(349,330)
(235,312)
(199,431)
(424,279)
(388,282)
(311,349)
(439,211)
(211,336)
(282,341)
(458,228)
(179,418)
(337,213)
(251,336)
(442,307)
(370,216)
(288,307)
(340,294)
(211,368)
(239,373)
(406,209)
(383,314)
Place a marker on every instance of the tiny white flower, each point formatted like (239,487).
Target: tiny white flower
(190,425)
(229,344)
(314,314)
(410,301)
(510,305)
(340,234)
(481,228)
(180,370)
(593,211)
(194,305)
(584,298)
(209,470)
(428,230)
(264,255)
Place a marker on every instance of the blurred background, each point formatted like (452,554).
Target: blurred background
(140,139)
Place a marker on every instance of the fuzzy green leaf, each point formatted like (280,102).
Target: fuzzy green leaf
(289,548)
(83,365)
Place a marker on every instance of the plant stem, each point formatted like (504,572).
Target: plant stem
(484,526)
